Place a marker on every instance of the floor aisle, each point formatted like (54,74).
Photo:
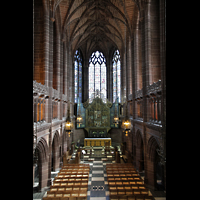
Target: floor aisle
(98,185)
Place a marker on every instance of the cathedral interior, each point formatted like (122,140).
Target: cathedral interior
(99,99)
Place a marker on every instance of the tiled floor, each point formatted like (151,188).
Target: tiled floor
(98,185)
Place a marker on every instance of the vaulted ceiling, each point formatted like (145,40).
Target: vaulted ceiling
(97,24)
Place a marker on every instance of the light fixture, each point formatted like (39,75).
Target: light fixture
(79,119)
(126,122)
(68,124)
(116,118)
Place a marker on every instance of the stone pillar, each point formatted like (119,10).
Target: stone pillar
(129,67)
(163,75)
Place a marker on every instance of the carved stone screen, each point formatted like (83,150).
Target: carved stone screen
(97,116)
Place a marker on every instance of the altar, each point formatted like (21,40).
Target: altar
(97,141)
(97,117)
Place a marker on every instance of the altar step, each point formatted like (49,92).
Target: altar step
(90,157)
(98,148)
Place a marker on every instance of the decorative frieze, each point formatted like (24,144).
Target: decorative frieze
(64,97)
(139,94)
(41,90)
(55,94)
(153,126)
(38,127)
(154,88)
(130,97)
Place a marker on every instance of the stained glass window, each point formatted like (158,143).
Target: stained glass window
(116,76)
(97,74)
(77,76)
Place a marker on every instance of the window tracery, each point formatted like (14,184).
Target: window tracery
(77,76)
(97,74)
(116,76)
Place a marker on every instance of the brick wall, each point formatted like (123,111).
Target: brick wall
(38,41)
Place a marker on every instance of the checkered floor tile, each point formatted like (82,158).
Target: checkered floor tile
(98,185)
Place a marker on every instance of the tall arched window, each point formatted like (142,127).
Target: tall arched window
(77,76)
(97,74)
(116,76)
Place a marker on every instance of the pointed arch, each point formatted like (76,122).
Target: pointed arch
(97,75)
(78,75)
(152,145)
(42,147)
(139,139)
(116,60)
(56,138)
(139,151)
(55,152)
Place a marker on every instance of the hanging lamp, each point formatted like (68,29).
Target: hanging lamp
(79,119)
(68,124)
(116,118)
(126,122)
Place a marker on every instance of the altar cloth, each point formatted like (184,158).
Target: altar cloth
(97,141)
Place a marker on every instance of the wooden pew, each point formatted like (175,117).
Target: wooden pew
(76,194)
(125,183)
(71,183)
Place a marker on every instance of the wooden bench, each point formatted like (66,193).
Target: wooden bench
(125,183)
(71,183)
(77,195)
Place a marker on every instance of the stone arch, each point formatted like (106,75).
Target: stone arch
(139,138)
(139,151)
(155,169)
(55,152)
(152,145)
(42,151)
(56,137)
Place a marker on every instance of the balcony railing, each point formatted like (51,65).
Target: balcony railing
(153,93)
(41,90)
(154,88)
